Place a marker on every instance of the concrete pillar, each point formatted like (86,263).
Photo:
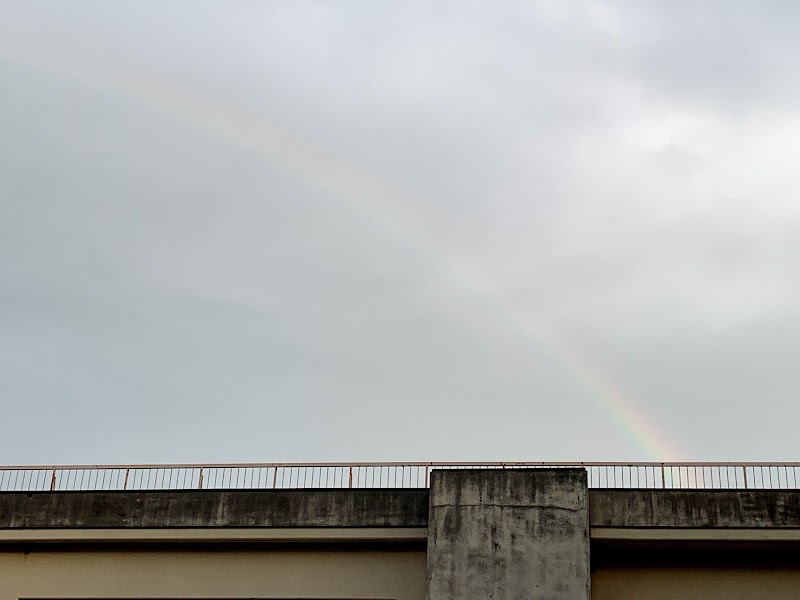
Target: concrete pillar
(508,535)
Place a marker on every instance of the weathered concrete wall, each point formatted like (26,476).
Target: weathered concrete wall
(185,563)
(242,573)
(494,535)
(664,550)
(508,535)
(695,508)
(232,508)
(378,508)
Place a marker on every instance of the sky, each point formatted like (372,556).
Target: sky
(290,230)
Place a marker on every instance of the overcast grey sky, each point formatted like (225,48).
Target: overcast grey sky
(289,230)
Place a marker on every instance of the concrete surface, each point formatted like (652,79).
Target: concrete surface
(696,571)
(765,509)
(287,572)
(508,535)
(183,536)
(689,583)
(695,508)
(695,544)
(231,508)
(493,535)
(687,534)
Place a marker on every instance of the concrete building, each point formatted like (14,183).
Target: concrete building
(488,534)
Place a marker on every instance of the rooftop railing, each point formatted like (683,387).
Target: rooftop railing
(648,475)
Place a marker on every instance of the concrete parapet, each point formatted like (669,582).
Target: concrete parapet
(215,508)
(666,509)
(695,508)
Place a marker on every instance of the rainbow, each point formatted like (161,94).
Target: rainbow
(362,192)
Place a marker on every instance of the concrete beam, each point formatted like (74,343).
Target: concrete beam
(508,535)
(700,509)
(215,508)
(206,535)
(683,534)
(695,508)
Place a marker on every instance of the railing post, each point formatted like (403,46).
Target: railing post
(275,478)
(350,478)
(200,480)
(53,481)
(744,473)
(125,483)
(426,475)
(663,479)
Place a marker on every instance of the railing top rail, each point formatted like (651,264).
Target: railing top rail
(266,465)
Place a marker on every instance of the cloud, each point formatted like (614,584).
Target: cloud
(339,218)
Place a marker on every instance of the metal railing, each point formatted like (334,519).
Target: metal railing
(649,475)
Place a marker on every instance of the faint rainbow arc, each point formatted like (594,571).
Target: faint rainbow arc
(372,197)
